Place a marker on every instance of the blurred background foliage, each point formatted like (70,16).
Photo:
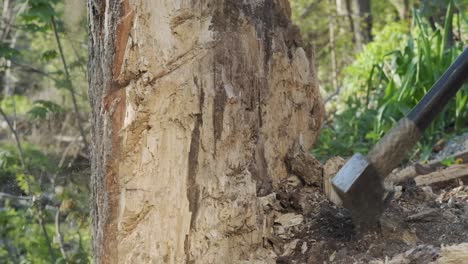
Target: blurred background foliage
(370,80)
(375,60)
(44,163)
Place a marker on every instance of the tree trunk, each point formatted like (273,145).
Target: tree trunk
(341,7)
(362,21)
(331,28)
(402,7)
(194,107)
(344,8)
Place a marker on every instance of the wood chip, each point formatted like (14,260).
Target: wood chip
(290,247)
(427,215)
(289,220)
(331,167)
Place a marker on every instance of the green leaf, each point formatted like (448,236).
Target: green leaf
(41,108)
(49,55)
(34,27)
(39,10)
(7,52)
(447,161)
(63,83)
(372,136)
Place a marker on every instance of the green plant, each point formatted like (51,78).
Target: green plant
(395,82)
(34,226)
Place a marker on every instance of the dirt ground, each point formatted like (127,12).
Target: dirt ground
(417,223)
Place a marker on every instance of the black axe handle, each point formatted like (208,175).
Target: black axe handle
(441,92)
(391,149)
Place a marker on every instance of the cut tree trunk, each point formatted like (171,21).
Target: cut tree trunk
(195,105)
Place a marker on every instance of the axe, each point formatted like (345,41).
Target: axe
(359,183)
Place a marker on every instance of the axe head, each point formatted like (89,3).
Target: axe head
(360,189)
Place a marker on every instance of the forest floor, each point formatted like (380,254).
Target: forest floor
(416,227)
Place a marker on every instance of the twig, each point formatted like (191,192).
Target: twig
(46,235)
(309,9)
(71,88)
(59,235)
(26,171)
(77,55)
(66,151)
(31,69)
(331,25)
(425,216)
(331,96)
(17,141)
(11,196)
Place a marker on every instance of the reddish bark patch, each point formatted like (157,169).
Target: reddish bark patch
(114,104)
(121,38)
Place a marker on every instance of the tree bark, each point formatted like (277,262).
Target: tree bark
(195,105)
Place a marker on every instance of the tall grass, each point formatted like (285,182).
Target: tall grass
(395,84)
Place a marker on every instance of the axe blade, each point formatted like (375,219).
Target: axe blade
(360,188)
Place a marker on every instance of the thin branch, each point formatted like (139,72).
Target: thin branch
(71,88)
(11,196)
(17,141)
(66,151)
(46,235)
(26,171)
(77,55)
(58,234)
(309,9)
(331,96)
(32,69)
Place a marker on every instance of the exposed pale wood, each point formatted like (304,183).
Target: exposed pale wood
(450,173)
(331,167)
(454,254)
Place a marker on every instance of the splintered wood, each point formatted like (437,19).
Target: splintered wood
(331,167)
(454,254)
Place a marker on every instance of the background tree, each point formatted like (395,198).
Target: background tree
(362,20)
(389,76)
